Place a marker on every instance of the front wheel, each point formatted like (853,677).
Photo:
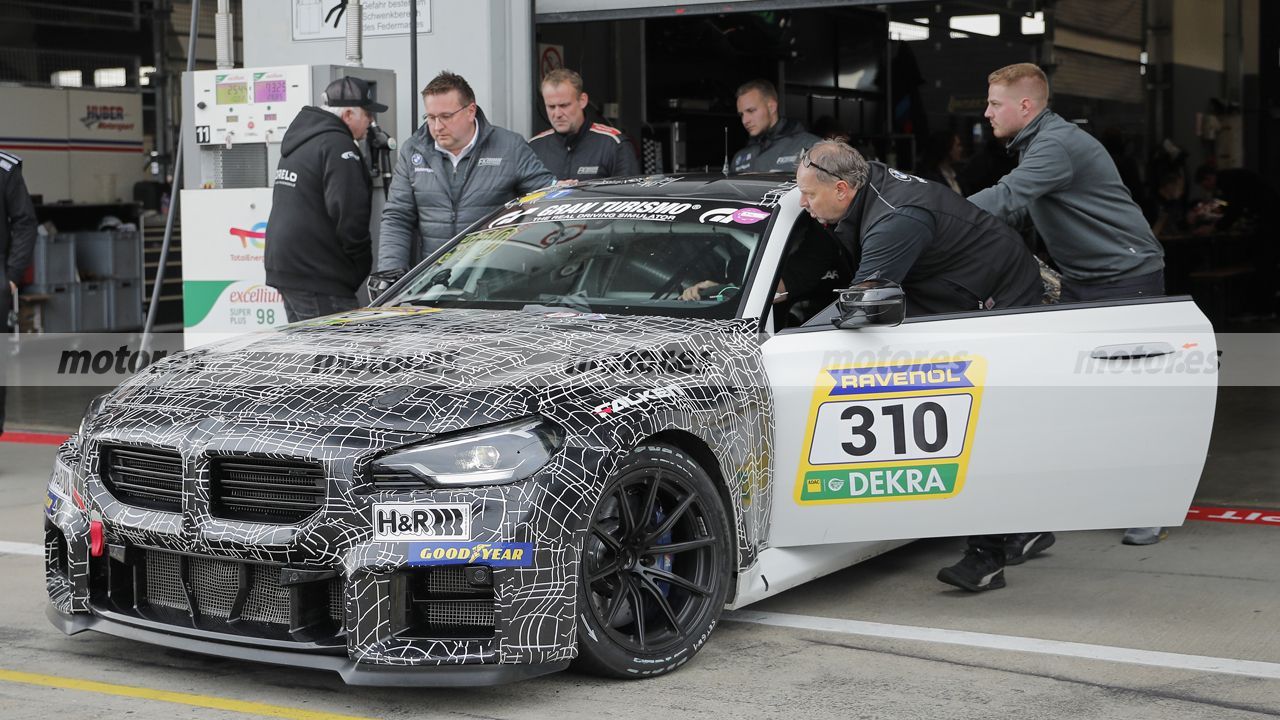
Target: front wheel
(656,566)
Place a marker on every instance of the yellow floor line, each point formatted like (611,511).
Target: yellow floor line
(204,701)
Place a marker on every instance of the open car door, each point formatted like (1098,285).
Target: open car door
(1065,417)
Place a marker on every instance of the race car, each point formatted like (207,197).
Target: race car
(587,426)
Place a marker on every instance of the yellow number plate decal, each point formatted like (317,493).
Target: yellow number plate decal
(883,433)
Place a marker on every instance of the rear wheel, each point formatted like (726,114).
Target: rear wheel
(656,566)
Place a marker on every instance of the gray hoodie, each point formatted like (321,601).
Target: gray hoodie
(1069,185)
(432,200)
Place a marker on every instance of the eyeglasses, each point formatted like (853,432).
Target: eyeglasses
(808,162)
(445,117)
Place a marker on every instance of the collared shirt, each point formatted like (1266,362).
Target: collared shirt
(455,159)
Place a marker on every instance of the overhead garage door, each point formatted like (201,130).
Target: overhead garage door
(1097,44)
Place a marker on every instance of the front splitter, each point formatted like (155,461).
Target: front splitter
(352,673)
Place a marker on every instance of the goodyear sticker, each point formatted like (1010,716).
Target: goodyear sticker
(883,433)
(500,554)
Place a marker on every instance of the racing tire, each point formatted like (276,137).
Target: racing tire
(658,541)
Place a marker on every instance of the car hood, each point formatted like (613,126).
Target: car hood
(427,370)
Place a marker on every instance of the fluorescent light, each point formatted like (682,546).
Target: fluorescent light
(907,32)
(67,78)
(1033,25)
(988,25)
(110,77)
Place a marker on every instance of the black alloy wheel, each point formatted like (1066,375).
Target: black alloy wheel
(655,566)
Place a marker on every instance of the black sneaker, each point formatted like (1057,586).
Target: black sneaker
(976,571)
(1017,548)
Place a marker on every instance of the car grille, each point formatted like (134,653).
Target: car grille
(229,590)
(265,490)
(440,603)
(142,477)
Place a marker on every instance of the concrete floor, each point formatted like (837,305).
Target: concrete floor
(1211,589)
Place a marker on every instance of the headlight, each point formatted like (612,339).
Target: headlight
(490,456)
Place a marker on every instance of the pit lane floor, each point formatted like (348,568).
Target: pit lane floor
(1212,590)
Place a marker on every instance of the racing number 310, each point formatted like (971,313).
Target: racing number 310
(890,429)
(925,413)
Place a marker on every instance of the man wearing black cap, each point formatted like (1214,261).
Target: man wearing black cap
(318,245)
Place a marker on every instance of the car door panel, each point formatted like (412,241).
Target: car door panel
(992,423)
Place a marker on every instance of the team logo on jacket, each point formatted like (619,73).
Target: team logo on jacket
(416,158)
(489,162)
(787,160)
(408,522)
(350,155)
(588,170)
(905,177)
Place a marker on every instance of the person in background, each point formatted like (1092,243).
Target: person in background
(17,240)
(454,170)
(775,142)
(578,146)
(318,245)
(943,152)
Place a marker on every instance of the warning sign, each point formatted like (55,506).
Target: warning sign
(550,57)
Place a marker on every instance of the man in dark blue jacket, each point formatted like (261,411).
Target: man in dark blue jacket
(318,244)
(577,147)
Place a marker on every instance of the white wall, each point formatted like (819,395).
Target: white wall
(489,42)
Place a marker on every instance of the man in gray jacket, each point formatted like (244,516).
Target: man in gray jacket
(454,170)
(1069,187)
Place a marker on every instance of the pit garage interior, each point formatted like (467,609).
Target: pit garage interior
(1170,86)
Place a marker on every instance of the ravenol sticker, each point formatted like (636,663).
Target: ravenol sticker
(883,433)
(500,554)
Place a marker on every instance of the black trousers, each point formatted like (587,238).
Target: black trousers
(305,305)
(1149,285)
(6,303)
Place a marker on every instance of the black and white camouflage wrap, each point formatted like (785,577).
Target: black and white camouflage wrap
(342,391)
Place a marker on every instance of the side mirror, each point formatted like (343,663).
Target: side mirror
(874,302)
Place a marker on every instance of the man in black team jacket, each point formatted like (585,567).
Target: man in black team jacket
(776,141)
(318,246)
(576,147)
(948,255)
(17,239)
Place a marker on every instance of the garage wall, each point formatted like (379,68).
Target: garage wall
(489,42)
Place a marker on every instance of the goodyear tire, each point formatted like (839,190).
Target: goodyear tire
(656,566)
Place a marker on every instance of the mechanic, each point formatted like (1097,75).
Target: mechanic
(578,146)
(17,240)
(454,170)
(1067,184)
(947,255)
(318,244)
(775,142)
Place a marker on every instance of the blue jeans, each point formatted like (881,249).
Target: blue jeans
(305,305)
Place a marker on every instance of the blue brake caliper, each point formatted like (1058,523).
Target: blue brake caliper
(662,562)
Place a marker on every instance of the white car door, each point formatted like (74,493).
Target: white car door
(1045,418)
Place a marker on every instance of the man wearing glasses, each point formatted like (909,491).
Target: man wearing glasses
(318,244)
(948,255)
(454,170)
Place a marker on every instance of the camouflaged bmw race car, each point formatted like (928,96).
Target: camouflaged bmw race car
(586,427)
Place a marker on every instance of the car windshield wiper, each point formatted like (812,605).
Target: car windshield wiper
(440,278)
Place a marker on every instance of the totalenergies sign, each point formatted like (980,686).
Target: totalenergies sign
(255,237)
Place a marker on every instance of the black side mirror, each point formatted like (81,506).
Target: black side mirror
(874,302)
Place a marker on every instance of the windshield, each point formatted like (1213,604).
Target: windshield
(647,257)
